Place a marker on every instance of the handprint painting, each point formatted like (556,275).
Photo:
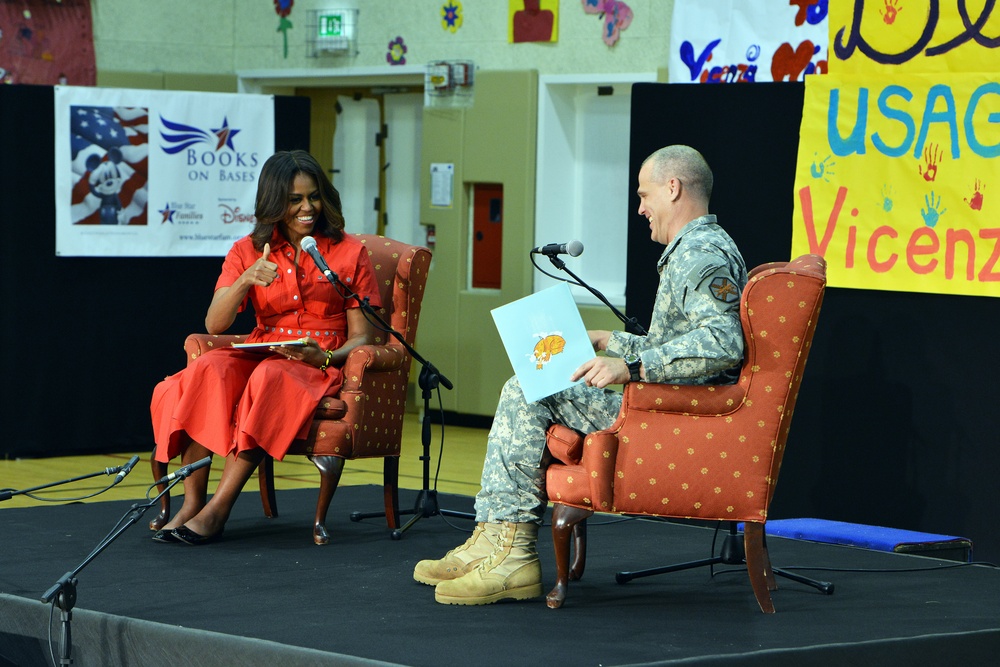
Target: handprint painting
(893,180)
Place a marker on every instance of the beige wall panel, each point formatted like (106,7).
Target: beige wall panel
(121,79)
(206,83)
(438,334)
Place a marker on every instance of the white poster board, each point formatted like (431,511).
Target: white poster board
(545,340)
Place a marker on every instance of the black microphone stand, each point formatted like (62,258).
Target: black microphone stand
(631,324)
(7,494)
(430,378)
(63,593)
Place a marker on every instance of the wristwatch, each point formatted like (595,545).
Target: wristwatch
(634,363)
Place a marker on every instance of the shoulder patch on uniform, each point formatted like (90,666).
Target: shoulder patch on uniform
(724,289)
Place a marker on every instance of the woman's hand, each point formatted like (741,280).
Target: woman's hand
(226,300)
(263,271)
(359,332)
(310,353)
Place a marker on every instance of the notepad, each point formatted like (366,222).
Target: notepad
(273,343)
(545,340)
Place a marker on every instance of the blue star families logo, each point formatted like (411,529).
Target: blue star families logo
(181,213)
(213,147)
(188,135)
(167,213)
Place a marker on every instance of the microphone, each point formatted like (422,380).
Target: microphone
(126,469)
(309,245)
(573,249)
(184,471)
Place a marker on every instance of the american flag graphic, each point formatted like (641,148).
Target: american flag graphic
(110,152)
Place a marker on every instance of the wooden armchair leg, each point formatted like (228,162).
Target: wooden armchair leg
(330,468)
(579,551)
(564,522)
(772,582)
(390,490)
(758,564)
(159,470)
(265,477)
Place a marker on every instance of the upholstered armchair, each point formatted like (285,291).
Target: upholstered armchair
(697,452)
(365,418)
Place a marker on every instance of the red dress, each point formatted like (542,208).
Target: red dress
(232,400)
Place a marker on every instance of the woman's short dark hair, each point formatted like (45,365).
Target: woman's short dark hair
(275,182)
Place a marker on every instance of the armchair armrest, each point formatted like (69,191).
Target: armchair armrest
(366,359)
(685,399)
(564,444)
(197,344)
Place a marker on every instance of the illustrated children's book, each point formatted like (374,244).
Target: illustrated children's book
(545,340)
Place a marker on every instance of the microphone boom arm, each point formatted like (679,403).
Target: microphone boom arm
(631,324)
(7,494)
(348,293)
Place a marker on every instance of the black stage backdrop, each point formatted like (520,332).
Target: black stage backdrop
(85,339)
(880,435)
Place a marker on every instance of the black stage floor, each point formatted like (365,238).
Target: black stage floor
(270,594)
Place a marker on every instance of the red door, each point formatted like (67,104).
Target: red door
(487,234)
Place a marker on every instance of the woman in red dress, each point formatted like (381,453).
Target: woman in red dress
(241,403)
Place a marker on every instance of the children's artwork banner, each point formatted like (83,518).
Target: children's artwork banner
(47,43)
(914,36)
(743,41)
(893,182)
(144,173)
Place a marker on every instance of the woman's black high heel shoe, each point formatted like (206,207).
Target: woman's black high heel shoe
(188,536)
(164,536)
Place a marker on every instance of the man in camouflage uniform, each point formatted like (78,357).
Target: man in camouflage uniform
(694,338)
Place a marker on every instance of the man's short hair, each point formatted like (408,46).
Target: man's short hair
(687,165)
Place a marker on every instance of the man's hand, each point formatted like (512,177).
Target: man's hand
(601,371)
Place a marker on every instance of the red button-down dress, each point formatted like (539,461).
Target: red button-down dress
(232,400)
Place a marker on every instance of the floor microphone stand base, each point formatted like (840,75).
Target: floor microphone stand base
(732,553)
(426,504)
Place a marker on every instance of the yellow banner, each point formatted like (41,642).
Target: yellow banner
(914,36)
(896,181)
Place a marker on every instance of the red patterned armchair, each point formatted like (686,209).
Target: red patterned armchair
(697,452)
(365,418)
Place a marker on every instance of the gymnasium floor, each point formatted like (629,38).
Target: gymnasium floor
(461,461)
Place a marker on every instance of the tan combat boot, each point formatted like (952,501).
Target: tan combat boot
(461,559)
(512,571)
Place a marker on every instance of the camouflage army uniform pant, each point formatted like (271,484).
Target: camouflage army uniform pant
(513,482)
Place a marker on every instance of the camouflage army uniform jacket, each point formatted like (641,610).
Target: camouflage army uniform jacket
(695,334)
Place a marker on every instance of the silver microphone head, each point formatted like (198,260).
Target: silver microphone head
(574,248)
(309,242)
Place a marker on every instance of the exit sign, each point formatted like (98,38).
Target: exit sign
(332,25)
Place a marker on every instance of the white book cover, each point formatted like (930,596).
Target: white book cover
(545,340)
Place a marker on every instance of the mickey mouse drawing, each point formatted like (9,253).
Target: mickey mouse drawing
(106,181)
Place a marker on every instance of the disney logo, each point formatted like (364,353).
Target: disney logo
(234,214)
